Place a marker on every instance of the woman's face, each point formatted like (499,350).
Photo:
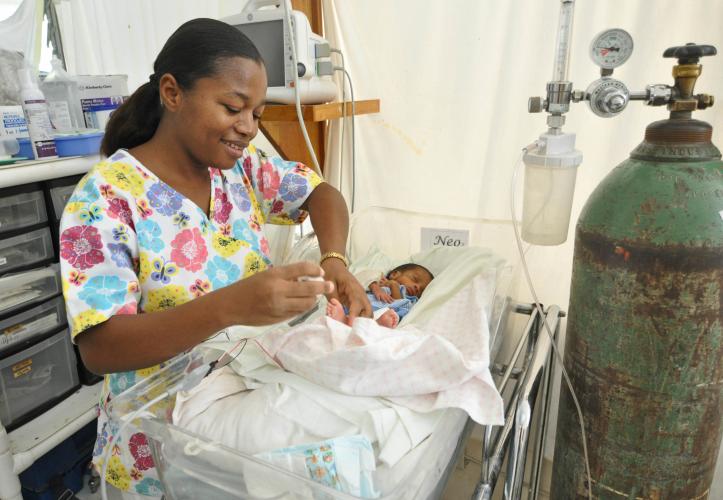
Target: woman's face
(219,116)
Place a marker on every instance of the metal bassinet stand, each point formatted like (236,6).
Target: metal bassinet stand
(530,367)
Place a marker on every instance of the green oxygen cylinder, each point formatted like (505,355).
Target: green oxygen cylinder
(644,348)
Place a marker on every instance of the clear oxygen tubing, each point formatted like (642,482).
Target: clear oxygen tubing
(562,45)
(299,114)
(558,355)
(353,136)
(343,119)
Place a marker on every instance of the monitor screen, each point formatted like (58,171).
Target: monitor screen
(268,36)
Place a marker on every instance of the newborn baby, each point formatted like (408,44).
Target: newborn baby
(396,292)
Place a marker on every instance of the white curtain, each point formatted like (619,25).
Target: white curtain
(21,31)
(111,37)
(453,78)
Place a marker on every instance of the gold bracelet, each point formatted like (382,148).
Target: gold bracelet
(334,255)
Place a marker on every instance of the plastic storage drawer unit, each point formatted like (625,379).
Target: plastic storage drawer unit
(21,207)
(25,250)
(60,192)
(24,327)
(35,379)
(28,287)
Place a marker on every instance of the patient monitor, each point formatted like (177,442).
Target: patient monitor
(264,22)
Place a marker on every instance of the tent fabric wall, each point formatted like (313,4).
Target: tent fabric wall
(453,78)
(21,31)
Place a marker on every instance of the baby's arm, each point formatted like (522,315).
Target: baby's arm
(394,287)
(376,288)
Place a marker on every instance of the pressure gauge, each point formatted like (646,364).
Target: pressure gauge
(611,48)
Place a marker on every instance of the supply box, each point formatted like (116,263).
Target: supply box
(99,96)
(12,122)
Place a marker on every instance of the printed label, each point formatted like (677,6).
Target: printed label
(13,121)
(45,149)
(435,237)
(60,115)
(100,103)
(22,368)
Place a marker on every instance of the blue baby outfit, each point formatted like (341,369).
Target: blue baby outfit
(400,306)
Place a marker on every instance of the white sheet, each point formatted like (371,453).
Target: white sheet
(286,410)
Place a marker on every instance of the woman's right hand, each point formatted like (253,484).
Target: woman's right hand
(276,294)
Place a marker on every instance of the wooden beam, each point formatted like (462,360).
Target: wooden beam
(312,9)
(287,139)
(318,112)
(280,125)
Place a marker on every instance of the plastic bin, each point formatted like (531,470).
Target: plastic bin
(27,288)
(36,378)
(62,468)
(60,191)
(22,328)
(26,250)
(87,143)
(26,149)
(21,207)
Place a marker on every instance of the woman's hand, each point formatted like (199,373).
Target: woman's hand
(347,290)
(275,294)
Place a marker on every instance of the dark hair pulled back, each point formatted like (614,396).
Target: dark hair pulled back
(192,52)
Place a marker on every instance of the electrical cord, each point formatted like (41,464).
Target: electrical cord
(353,136)
(558,356)
(343,120)
(297,97)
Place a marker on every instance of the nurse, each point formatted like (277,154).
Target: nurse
(171,225)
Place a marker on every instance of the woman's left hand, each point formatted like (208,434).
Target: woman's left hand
(347,289)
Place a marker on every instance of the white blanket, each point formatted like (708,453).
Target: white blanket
(443,365)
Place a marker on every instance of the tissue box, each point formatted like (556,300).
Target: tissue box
(99,96)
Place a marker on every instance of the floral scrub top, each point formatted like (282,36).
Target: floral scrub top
(129,243)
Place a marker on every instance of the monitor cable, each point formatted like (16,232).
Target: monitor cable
(347,77)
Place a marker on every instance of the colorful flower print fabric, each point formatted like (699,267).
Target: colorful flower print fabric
(130,243)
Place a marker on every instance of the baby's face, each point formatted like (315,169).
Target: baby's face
(414,280)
